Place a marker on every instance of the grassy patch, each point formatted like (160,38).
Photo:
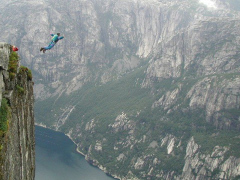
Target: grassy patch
(20,90)
(13,64)
(208,140)
(28,71)
(108,101)
(4,115)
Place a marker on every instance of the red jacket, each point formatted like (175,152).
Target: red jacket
(14,48)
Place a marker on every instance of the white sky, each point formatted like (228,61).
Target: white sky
(209,3)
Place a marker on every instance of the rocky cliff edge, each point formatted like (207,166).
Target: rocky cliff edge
(17,141)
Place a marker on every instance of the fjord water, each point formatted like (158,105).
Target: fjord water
(57,159)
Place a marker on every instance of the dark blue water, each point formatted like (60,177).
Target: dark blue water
(57,159)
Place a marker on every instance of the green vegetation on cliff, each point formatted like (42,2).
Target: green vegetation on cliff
(4,115)
(28,71)
(13,64)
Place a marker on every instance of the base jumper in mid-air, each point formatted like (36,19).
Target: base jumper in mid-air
(55,39)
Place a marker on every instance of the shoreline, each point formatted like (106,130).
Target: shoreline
(76,149)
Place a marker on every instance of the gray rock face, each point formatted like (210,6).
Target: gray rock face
(197,165)
(198,48)
(18,144)
(115,36)
(4,56)
(216,95)
(185,53)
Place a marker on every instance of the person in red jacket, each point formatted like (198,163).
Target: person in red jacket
(14,48)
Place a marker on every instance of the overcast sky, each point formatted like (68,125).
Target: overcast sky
(209,3)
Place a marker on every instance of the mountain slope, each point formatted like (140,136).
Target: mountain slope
(146,89)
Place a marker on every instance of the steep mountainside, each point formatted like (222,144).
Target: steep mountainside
(147,89)
(17,142)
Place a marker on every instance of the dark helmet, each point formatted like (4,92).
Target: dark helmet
(58,34)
